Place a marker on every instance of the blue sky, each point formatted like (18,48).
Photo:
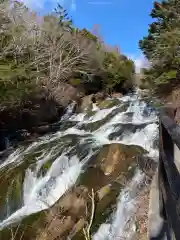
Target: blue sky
(121,22)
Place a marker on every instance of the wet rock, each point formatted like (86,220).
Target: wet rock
(77,228)
(64,94)
(4,142)
(105,203)
(5,153)
(144,93)
(42,129)
(109,172)
(108,103)
(68,215)
(100,96)
(18,136)
(105,190)
(10,200)
(86,103)
(117,157)
(56,228)
(117,95)
(37,113)
(94,178)
(147,165)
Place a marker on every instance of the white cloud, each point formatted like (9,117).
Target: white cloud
(40,4)
(34,3)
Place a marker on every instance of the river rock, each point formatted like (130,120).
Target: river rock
(103,191)
(108,103)
(64,94)
(67,216)
(86,103)
(4,142)
(77,228)
(117,157)
(117,95)
(100,96)
(112,161)
(42,129)
(11,201)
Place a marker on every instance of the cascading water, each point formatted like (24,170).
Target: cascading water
(69,111)
(53,163)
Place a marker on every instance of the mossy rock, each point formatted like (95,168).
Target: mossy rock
(26,229)
(11,194)
(75,81)
(108,103)
(157,105)
(45,167)
(90,112)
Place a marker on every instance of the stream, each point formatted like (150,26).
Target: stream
(37,175)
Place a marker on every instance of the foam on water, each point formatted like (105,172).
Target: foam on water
(94,107)
(144,138)
(121,226)
(42,192)
(78,117)
(69,111)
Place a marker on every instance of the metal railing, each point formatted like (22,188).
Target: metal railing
(169,175)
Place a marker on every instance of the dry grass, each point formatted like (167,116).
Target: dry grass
(86,230)
(14,233)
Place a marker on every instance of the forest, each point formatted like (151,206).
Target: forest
(49,51)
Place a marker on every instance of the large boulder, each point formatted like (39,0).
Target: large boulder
(111,161)
(65,93)
(67,217)
(100,96)
(86,103)
(117,157)
(36,110)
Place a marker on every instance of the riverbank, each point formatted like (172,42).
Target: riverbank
(41,114)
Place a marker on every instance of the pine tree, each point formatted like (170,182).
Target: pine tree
(64,20)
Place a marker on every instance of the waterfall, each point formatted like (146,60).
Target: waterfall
(53,163)
(69,111)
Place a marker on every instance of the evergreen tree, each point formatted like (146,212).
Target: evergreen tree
(161,45)
(64,20)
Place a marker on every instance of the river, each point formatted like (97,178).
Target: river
(36,175)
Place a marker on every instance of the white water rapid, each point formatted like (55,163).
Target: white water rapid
(53,163)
